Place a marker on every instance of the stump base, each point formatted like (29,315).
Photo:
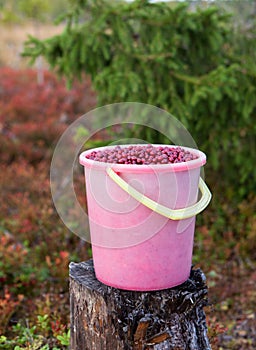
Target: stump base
(106,318)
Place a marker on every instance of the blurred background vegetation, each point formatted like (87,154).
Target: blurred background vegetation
(18,12)
(197,60)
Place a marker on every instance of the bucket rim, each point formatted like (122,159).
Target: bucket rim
(143,168)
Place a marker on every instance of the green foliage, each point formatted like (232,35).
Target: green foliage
(16,11)
(81,133)
(31,337)
(191,63)
(64,338)
(35,9)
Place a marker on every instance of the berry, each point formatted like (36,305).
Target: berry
(141,154)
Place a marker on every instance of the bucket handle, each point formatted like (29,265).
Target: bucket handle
(174,214)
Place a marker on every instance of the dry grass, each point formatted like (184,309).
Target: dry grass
(12,38)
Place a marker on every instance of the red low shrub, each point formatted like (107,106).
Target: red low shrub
(35,245)
(32,116)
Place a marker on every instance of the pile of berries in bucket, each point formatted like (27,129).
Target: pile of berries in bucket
(142,155)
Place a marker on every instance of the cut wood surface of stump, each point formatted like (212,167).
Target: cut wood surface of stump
(106,318)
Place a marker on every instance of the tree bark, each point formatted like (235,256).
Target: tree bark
(106,318)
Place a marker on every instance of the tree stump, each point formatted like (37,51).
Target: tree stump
(106,318)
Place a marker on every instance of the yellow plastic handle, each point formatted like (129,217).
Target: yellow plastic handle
(174,214)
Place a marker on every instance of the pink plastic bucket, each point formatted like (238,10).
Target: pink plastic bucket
(134,246)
